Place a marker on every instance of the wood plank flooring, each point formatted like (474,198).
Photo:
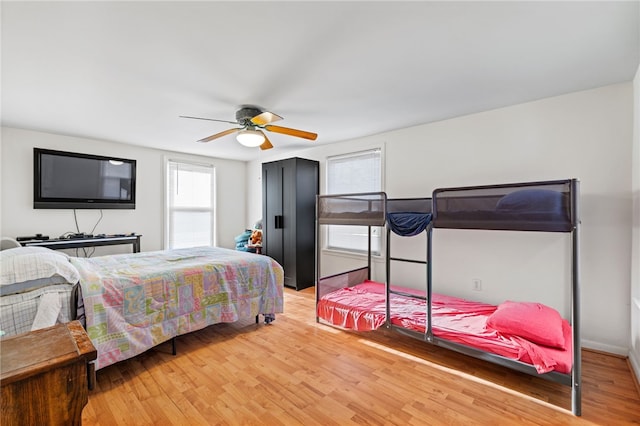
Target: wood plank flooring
(297,372)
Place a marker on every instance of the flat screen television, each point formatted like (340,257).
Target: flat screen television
(70,180)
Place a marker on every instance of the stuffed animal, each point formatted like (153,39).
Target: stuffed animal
(256,237)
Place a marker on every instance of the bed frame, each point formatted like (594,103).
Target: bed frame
(549,206)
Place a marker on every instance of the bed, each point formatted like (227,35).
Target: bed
(522,335)
(132,302)
(38,288)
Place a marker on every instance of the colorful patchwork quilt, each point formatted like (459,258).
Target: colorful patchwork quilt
(136,301)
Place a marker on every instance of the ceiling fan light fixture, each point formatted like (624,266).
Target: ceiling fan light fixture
(250,138)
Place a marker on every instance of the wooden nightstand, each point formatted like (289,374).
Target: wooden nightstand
(45,376)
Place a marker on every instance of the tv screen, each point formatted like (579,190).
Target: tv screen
(69,180)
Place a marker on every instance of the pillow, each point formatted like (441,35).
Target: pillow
(20,251)
(535,322)
(536,200)
(27,264)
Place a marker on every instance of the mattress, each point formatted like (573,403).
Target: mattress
(363,308)
(18,311)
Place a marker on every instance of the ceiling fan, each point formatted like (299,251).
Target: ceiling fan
(252,121)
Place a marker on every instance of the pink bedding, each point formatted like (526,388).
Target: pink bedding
(362,308)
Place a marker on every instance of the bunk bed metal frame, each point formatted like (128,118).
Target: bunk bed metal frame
(371,209)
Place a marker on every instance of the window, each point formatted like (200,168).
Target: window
(190,205)
(347,174)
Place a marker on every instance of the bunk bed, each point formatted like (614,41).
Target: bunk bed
(547,345)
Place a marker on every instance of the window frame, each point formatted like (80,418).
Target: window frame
(326,246)
(168,210)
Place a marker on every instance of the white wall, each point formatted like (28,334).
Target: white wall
(586,135)
(634,352)
(19,217)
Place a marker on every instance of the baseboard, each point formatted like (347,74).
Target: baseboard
(601,347)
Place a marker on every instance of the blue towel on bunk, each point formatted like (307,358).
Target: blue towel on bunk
(408,224)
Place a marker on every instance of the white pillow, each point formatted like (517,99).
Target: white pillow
(24,264)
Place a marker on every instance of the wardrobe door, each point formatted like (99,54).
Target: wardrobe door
(289,213)
(272,221)
(306,190)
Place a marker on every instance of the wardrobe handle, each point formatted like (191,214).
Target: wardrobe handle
(279,222)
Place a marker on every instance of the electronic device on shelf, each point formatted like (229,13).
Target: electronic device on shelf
(80,235)
(75,236)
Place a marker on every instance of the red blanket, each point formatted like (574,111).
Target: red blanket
(362,308)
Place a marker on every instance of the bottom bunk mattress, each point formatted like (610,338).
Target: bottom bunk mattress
(363,308)
(133,302)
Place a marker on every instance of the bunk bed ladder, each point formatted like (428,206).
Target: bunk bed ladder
(428,335)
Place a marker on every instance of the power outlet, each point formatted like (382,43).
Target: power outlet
(476,284)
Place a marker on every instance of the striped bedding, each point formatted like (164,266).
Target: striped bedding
(18,311)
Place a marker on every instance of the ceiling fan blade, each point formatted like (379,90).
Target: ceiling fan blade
(265,118)
(267,143)
(292,132)
(208,119)
(219,135)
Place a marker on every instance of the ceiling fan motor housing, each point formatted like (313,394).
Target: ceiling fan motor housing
(246,113)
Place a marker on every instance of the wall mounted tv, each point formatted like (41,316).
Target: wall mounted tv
(69,180)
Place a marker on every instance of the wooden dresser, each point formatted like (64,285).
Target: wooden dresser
(45,376)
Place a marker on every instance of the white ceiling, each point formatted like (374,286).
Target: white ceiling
(125,71)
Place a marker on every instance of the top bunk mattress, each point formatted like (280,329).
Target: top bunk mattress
(531,206)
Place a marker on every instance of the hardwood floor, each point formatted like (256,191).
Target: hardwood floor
(296,371)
